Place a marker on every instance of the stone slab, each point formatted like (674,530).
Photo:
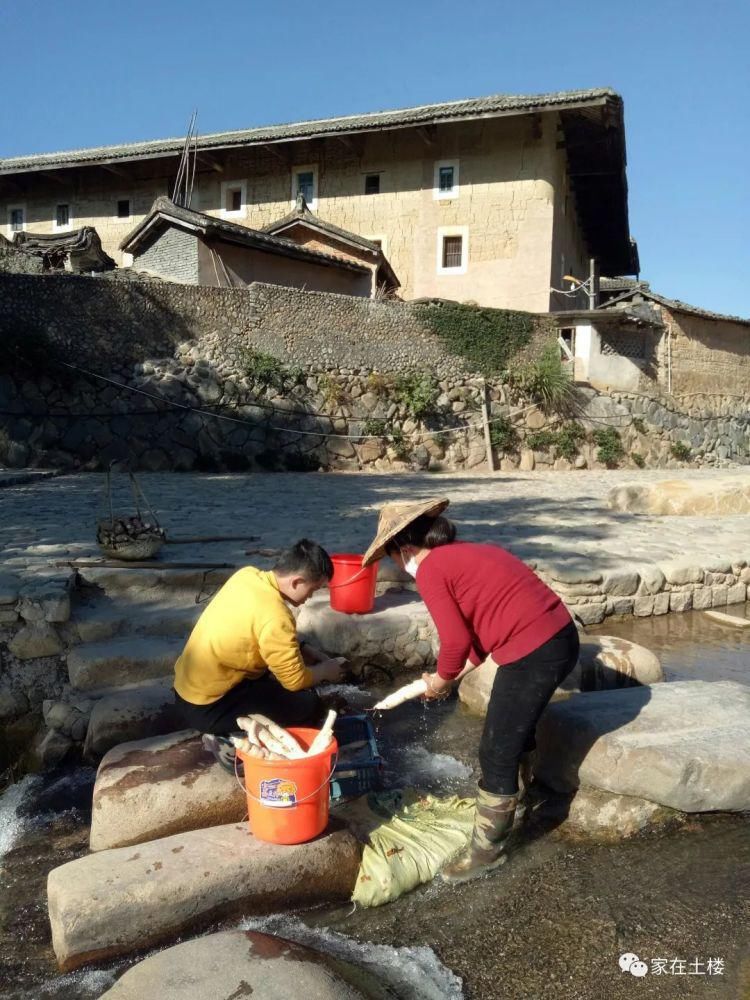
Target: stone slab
(119,901)
(736,621)
(156,787)
(129,715)
(684,498)
(685,744)
(592,814)
(243,963)
(122,661)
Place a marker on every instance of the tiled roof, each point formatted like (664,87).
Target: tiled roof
(209,226)
(427,114)
(674,305)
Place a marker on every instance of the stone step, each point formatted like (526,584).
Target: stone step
(233,964)
(109,617)
(124,900)
(116,580)
(124,716)
(159,786)
(683,744)
(121,662)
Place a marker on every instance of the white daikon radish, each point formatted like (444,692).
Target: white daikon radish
(251,726)
(286,743)
(322,740)
(406,693)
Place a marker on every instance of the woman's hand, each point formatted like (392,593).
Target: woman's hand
(437,687)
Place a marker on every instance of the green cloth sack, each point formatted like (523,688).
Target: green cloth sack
(408,838)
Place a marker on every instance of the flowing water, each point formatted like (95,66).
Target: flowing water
(550,925)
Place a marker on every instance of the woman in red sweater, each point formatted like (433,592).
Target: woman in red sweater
(485,603)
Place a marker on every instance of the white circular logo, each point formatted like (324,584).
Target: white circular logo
(626,960)
(638,969)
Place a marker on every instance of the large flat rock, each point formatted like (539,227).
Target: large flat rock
(243,963)
(160,786)
(685,745)
(605,662)
(129,715)
(683,497)
(115,902)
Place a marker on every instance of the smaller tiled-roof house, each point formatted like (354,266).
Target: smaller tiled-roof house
(179,244)
(699,350)
(307,229)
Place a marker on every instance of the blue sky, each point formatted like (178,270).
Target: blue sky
(83,73)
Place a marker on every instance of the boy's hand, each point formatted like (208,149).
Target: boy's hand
(311,654)
(329,670)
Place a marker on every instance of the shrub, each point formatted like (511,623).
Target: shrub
(568,440)
(374,428)
(263,368)
(546,381)
(418,393)
(334,394)
(640,425)
(541,440)
(503,435)
(639,460)
(378,383)
(680,451)
(610,447)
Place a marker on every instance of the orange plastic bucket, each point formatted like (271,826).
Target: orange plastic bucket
(287,800)
(352,587)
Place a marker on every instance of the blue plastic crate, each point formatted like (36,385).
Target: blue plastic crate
(363,771)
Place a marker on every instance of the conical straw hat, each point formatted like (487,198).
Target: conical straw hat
(394,517)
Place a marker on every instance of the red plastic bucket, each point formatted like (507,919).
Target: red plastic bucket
(287,800)
(352,587)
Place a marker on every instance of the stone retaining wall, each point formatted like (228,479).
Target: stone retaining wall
(291,379)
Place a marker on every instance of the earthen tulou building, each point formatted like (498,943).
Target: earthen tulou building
(491,200)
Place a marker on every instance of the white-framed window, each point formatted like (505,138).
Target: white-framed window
(452,249)
(233,198)
(16,219)
(123,208)
(63,216)
(305,181)
(445,183)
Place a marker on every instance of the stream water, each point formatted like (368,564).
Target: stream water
(552,923)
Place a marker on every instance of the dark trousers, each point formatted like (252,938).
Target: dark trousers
(520,694)
(264,696)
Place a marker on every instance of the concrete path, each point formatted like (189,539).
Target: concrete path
(551,518)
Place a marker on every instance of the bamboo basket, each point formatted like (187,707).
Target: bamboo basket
(130,537)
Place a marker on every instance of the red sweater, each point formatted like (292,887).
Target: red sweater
(484,601)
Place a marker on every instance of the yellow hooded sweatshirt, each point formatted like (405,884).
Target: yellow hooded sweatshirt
(245,630)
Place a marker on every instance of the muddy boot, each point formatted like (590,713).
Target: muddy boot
(492,826)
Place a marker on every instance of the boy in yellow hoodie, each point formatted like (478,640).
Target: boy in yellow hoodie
(243,655)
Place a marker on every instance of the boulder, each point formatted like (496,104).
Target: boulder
(685,744)
(604,662)
(160,786)
(115,902)
(129,715)
(241,964)
(608,661)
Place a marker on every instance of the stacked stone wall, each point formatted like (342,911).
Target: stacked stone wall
(170,376)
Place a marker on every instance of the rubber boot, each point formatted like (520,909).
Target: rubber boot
(493,823)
